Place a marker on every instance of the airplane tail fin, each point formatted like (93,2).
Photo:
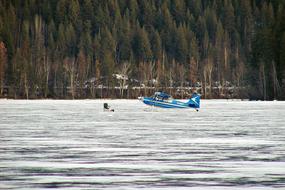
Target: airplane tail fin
(194,101)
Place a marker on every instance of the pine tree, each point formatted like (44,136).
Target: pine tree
(107,53)
(124,41)
(141,45)
(181,45)
(47,43)
(229,17)
(156,46)
(70,40)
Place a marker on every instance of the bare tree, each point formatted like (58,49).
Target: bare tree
(262,80)
(181,71)
(26,84)
(39,54)
(164,73)
(124,71)
(151,70)
(208,68)
(226,66)
(47,66)
(55,68)
(193,70)
(97,77)
(82,69)
(205,82)
(141,76)
(276,85)
(3,62)
(147,73)
(159,73)
(172,75)
(69,66)
(240,73)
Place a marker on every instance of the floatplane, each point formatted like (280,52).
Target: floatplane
(163,100)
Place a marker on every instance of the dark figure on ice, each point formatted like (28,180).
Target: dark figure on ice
(107,107)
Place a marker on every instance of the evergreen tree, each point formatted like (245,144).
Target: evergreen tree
(181,45)
(51,46)
(156,47)
(141,45)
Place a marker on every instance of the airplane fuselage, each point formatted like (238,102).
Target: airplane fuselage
(164,103)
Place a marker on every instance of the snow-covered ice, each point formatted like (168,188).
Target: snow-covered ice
(73,144)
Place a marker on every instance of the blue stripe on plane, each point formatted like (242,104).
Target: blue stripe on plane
(164,104)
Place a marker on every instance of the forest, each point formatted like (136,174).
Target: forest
(124,48)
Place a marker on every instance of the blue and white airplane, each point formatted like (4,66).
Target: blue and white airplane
(163,100)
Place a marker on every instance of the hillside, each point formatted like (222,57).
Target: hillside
(122,48)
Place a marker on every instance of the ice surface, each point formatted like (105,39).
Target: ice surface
(73,144)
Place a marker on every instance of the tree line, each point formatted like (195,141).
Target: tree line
(73,48)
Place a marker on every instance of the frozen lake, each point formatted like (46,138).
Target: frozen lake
(69,144)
